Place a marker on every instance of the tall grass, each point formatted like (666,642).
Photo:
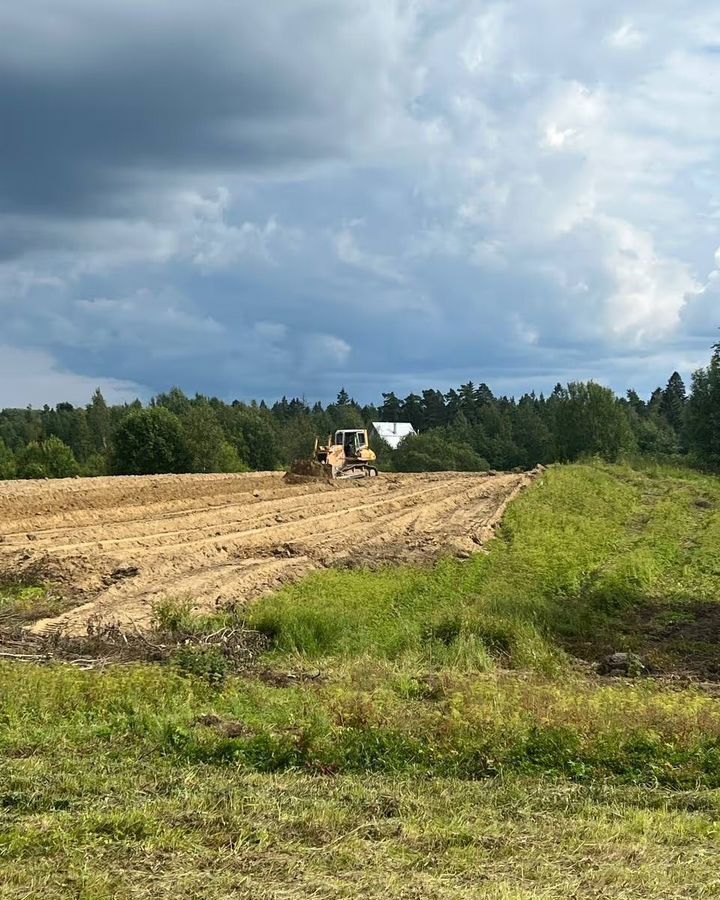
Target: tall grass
(584,544)
(368,717)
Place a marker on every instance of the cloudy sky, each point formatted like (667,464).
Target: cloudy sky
(254,199)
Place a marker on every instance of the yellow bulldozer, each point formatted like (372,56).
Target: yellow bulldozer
(346,454)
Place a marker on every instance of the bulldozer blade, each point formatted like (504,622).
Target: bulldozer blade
(310,468)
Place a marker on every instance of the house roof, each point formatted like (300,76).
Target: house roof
(393,432)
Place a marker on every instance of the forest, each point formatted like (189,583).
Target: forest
(467,429)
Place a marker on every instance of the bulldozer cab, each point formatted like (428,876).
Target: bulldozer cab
(352,440)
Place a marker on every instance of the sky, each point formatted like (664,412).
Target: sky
(255,199)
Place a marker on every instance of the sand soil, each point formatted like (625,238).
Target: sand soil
(119,545)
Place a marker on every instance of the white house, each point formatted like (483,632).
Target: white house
(393,432)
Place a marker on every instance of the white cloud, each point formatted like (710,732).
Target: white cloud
(554,137)
(583,178)
(349,252)
(323,351)
(650,290)
(190,227)
(212,243)
(627,37)
(524,332)
(34,378)
(702,308)
(484,42)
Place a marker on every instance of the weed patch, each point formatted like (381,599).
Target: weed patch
(24,601)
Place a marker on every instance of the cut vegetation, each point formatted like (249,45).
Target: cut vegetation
(406,732)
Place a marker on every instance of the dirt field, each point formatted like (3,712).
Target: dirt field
(119,545)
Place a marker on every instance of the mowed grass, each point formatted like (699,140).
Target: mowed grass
(434,739)
(123,829)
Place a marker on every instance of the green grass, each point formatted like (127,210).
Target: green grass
(370,717)
(124,830)
(448,747)
(20,603)
(582,552)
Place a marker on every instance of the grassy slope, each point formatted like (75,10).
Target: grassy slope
(419,766)
(588,549)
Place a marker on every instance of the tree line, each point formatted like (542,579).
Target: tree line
(468,429)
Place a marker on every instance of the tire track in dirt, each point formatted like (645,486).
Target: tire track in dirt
(120,545)
(261,516)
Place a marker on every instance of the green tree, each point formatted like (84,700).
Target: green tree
(80,438)
(654,404)
(467,399)
(175,400)
(384,454)
(503,451)
(8,467)
(412,410)
(702,427)
(204,438)
(653,434)
(98,419)
(252,432)
(590,420)
(483,394)
(531,435)
(47,459)
(461,432)
(672,404)
(434,451)
(299,438)
(149,442)
(229,460)
(95,465)
(636,403)
(433,410)
(391,409)
(70,424)
(345,416)
(452,405)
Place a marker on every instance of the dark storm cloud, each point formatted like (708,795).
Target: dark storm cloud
(256,198)
(157,89)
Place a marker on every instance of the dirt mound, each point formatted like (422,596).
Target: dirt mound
(120,545)
(304,469)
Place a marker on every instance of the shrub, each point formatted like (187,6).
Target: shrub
(150,442)
(203,662)
(228,459)
(47,459)
(94,465)
(436,452)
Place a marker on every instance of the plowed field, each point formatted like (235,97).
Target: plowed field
(119,545)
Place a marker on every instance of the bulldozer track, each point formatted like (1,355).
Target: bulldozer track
(120,545)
